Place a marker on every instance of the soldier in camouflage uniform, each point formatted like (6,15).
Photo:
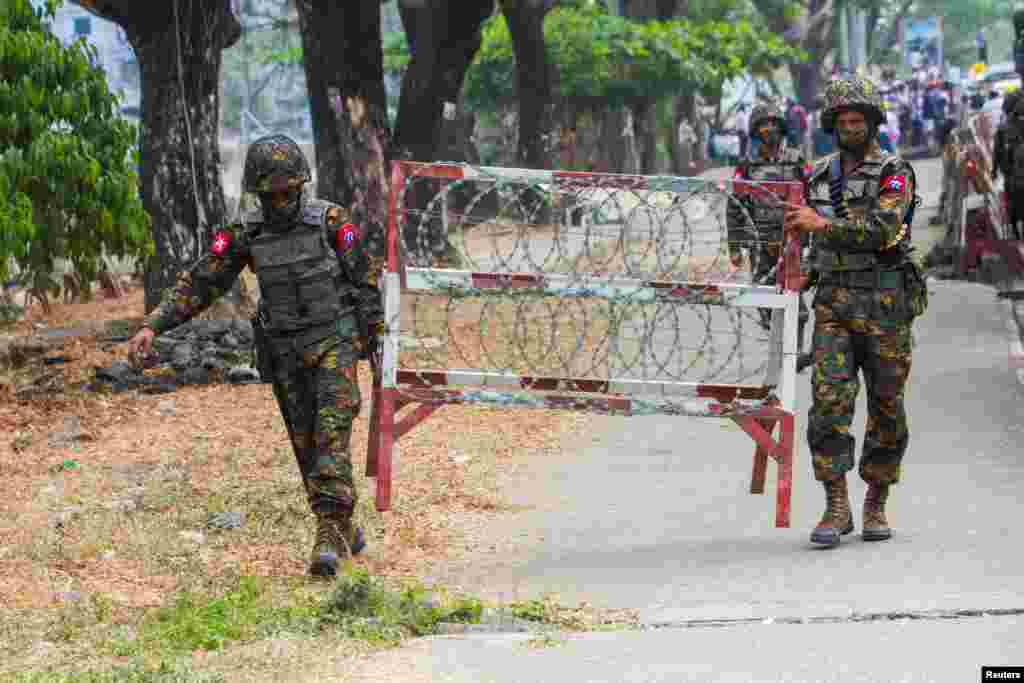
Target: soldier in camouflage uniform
(758,224)
(868,293)
(319,310)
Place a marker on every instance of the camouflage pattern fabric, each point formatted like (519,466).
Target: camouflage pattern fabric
(314,377)
(857,94)
(766,112)
(274,163)
(318,393)
(863,321)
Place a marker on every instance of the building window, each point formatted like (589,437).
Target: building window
(83,26)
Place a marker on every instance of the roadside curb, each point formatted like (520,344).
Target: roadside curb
(1013,312)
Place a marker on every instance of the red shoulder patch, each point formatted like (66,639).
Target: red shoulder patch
(347,236)
(894,183)
(221,241)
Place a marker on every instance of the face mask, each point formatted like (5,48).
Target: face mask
(771,137)
(853,139)
(280,212)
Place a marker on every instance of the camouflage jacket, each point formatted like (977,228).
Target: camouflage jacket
(866,215)
(229,252)
(754,211)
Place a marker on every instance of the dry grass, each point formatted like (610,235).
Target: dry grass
(94,531)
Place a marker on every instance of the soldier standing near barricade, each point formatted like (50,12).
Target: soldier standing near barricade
(755,222)
(868,293)
(319,311)
(1008,159)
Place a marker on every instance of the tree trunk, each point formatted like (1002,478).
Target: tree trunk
(443,39)
(180,153)
(645,131)
(533,81)
(618,146)
(683,109)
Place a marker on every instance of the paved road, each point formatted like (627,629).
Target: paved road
(653,514)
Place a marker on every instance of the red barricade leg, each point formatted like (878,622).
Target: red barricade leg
(784,482)
(760,460)
(386,425)
(373,429)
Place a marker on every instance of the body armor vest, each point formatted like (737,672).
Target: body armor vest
(301,281)
(853,198)
(786,169)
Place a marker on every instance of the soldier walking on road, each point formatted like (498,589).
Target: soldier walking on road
(1008,159)
(869,291)
(319,311)
(758,224)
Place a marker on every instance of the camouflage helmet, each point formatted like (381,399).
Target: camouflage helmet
(766,112)
(274,163)
(852,94)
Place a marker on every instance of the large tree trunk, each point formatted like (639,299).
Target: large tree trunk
(443,40)
(533,81)
(344,63)
(180,153)
(811,30)
(682,156)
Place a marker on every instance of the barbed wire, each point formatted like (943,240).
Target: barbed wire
(625,280)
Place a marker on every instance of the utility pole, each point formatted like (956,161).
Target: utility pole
(844,34)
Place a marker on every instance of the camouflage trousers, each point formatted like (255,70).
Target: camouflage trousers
(317,390)
(846,346)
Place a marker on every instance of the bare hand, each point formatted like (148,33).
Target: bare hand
(805,219)
(141,344)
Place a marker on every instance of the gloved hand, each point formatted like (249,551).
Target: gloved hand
(369,341)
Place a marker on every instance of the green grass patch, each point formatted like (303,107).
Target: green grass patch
(196,623)
(138,673)
(363,607)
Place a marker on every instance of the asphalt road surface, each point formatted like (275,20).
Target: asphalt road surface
(653,513)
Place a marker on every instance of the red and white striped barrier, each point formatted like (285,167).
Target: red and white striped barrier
(562,307)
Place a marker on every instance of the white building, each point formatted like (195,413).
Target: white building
(115,53)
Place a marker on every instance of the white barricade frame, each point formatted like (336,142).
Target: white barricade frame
(757,409)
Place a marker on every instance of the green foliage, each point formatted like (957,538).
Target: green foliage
(139,673)
(610,60)
(363,607)
(68,184)
(194,623)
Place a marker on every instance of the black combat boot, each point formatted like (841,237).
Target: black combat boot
(837,520)
(336,540)
(876,526)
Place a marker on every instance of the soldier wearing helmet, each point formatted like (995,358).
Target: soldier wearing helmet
(1008,159)
(869,291)
(754,223)
(318,312)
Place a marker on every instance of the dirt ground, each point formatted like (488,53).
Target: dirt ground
(105,499)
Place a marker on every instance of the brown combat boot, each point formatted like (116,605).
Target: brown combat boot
(335,541)
(837,520)
(876,526)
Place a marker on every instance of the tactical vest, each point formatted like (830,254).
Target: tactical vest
(767,215)
(860,193)
(301,281)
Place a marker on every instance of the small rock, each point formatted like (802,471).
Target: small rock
(42,649)
(166,407)
(213,362)
(231,341)
(69,597)
(243,375)
(226,520)
(50,490)
(119,372)
(194,376)
(69,432)
(183,356)
(197,537)
(108,555)
(127,505)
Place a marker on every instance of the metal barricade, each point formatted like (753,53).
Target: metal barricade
(584,291)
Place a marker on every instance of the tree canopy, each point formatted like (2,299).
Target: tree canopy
(612,60)
(68,181)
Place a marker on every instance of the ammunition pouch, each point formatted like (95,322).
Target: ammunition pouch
(262,360)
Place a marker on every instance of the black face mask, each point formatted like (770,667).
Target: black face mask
(772,138)
(857,147)
(283,215)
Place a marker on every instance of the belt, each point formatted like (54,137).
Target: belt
(863,279)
